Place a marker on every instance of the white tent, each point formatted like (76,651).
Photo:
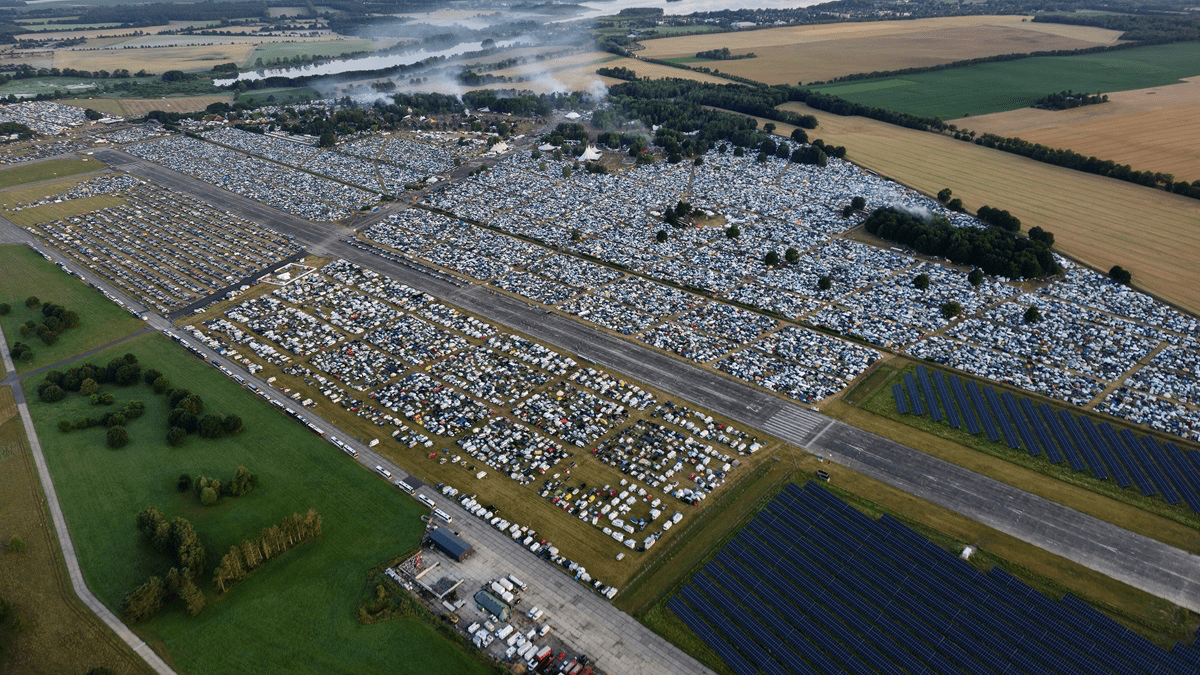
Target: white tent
(591,154)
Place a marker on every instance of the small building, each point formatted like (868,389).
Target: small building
(451,544)
(489,603)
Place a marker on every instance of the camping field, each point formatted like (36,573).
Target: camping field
(138,107)
(1100,221)
(793,54)
(296,613)
(47,170)
(1155,129)
(1008,85)
(27,273)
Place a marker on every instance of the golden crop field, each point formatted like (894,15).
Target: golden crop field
(578,71)
(155,59)
(1153,129)
(138,107)
(1100,221)
(819,52)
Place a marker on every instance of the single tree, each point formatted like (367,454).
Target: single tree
(824,283)
(733,232)
(921,281)
(847,211)
(1033,315)
(799,136)
(32,301)
(955,205)
(117,437)
(951,309)
(858,203)
(88,387)
(943,195)
(661,236)
(176,436)
(975,277)
(1120,275)
(5,308)
(791,255)
(772,258)
(184,483)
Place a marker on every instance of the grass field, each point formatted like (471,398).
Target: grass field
(280,94)
(47,170)
(138,107)
(73,207)
(1156,128)
(296,613)
(793,54)
(1100,221)
(61,635)
(27,273)
(270,51)
(994,87)
(47,85)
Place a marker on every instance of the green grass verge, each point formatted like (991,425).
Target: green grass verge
(50,169)
(297,613)
(881,402)
(280,95)
(994,87)
(26,273)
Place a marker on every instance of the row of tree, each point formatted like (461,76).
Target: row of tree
(723,54)
(997,252)
(617,72)
(177,539)
(122,371)
(272,542)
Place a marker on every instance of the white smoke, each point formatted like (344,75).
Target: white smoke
(915,211)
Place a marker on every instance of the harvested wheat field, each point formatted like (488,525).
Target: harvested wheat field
(1153,129)
(578,72)
(820,52)
(1100,221)
(155,59)
(138,107)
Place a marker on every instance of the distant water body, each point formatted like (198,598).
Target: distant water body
(590,10)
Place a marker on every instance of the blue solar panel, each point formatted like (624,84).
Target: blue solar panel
(943,394)
(1115,468)
(735,624)
(765,627)
(1039,431)
(1185,466)
(1143,459)
(935,410)
(1136,472)
(712,638)
(1074,458)
(986,415)
(914,397)
(964,406)
(1177,483)
(1071,424)
(901,400)
(1018,420)
(1003,417)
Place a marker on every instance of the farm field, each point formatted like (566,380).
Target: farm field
(1156,128)
(1100,221)
(27,273)
(155,59)
(39,171)
(296,613)
(138,107)
(995,87)
(60,635)
(820,52)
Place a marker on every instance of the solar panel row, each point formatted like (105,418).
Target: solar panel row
(813,585)
(1129,460)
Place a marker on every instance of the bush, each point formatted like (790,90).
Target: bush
(184,483)
(32,301)
(117,437)
(115,420)
(89,387)
(52,393)
(208,496)
(65,426)
(151,375)
(232,424)
(176,436)
(161,385)
(16,544)
(5,308)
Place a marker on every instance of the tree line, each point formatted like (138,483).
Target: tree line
(996,251)
(723,54)
(1143,28)
(617,72)
(272,542)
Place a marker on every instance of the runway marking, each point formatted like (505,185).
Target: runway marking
(792,424)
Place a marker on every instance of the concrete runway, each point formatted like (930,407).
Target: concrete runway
(1152,566)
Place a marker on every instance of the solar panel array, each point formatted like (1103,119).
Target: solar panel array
(1107,454)
(811,585)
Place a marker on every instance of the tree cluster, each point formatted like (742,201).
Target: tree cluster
(995,251)
(185,418)
(56,319)
(179,540)
(1067,99)
(998,218)
(617,72)
(1172,26)
(723,54)
(272,542)
(121,371)
(210,490)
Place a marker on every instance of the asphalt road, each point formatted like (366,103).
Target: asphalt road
(1154,567)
